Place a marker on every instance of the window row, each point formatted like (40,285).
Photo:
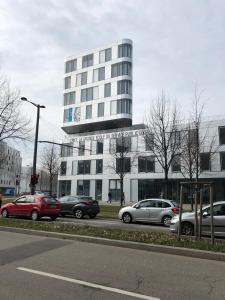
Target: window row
(82,167)
(124,50)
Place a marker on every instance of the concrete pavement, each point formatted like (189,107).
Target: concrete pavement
(74,266)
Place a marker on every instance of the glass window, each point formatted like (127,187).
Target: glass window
(81,78)
(67,82)
(105,55)
(87,61)
(124,87)
(102,56)
(113,107)
(63,168)
(222,161)
(89,94)
(99,74)
(114,189)
(124,106)
(81,147)
(88,111)
(222,135)
(123,165)
(71,65)
(149,142)
(68,114)
(83,187)
(125,50)
(95,92)
(146,164)
(83,97)
(205,164)
(123,144)
(107,90)
(101,109)
(176,166)
(84,167)
(64,187)
(120,69)
(69,98)
(99,166)
(99,147)
(66,151)
(95,75)
(98,189)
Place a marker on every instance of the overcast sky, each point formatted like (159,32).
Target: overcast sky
(177,43)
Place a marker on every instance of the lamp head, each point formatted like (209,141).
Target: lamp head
(23,98)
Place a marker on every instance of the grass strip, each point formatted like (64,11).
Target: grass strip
(157,238)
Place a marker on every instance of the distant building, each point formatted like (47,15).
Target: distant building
(43,180)
(97,111)
(10,169)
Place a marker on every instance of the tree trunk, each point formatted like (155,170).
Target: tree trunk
(50,184)
(166,185)
(121,191)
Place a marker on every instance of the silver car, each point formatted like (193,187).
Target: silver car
(151,211)
(188,221)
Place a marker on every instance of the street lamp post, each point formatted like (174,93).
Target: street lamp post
(32,185)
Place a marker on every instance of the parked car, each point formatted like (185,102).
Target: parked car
(188,221)
(151,211)
(79,206)
(33,206)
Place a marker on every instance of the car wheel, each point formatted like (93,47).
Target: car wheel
(78,214)
(5,213)
(127,218)
(34,215)
(166,221)
(92,216)
(53,218)
(187,228)
(63,215)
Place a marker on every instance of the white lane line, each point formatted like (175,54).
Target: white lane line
(89,284)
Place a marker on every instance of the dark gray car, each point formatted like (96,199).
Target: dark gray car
(79,206)
(151,211)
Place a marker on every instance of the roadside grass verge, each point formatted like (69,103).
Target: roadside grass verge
(109,211)
(157,238)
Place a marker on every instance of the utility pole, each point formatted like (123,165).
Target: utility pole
(34,176)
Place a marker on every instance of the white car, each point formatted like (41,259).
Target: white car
(151,211)
(188,221)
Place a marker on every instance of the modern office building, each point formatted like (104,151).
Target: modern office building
(10,169)
(97,112)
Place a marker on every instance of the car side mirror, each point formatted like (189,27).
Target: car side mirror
(205,214)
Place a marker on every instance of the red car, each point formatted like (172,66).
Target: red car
(33,206)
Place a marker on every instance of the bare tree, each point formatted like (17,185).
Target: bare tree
(122,158)
(51,163)
(196,141)
(162,136)
(13,125)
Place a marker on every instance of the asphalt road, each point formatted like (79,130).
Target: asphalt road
(115,224)
(46,268)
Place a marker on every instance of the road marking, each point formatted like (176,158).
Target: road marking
(89,284)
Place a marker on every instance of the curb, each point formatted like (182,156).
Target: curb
(193,253)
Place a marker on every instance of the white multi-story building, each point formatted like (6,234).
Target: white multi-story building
(10,169)
(97,111)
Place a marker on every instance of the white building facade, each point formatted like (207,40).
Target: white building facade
(10,170)
(97,111)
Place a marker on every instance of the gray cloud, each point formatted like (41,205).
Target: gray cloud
(176,44)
